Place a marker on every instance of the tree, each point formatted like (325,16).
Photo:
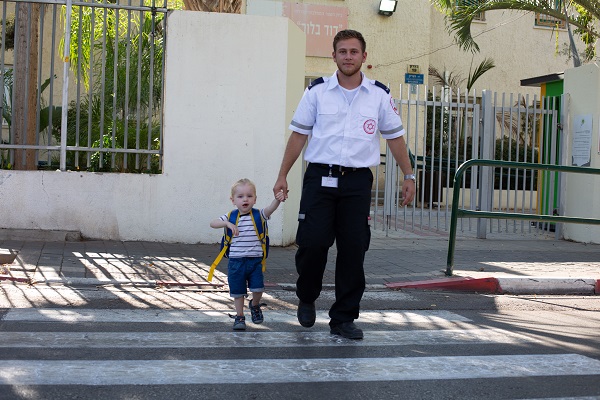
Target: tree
(455,80)
(26,64)
(460,15)
(452,82)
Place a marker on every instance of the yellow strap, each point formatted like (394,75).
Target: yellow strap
(215,263)
(263,241)
(264,260)
(226,244)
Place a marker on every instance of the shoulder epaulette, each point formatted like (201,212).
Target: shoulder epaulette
(381,85)
(316,82)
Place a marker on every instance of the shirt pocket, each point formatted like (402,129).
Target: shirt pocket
(328,120)
(366,123)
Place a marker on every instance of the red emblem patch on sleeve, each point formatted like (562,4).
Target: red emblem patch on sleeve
(393,104)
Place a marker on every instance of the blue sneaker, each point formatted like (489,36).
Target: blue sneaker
(256,313)
(239,323)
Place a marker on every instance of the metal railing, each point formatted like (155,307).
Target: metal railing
(444,128)
(465,213)
(88,85)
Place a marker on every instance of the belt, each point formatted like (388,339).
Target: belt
(339,168)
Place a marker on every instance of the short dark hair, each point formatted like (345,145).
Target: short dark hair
(349,34)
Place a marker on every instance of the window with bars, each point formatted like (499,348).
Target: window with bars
(479,16)
(550,21)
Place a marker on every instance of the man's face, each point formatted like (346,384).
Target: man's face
(349,56)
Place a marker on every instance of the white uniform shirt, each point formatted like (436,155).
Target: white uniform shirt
(346,134)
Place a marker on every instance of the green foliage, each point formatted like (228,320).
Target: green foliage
(8,93)
(48,118)
(439,125)
(90,124)
(587,31)
(508,149)
(446,141)
(118,55)
(460,14)
(9,41)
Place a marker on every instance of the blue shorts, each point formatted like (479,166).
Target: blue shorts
(245,272)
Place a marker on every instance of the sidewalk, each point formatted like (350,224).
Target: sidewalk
(398,259)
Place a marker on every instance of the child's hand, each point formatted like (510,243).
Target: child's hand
(234,229)
(280,196)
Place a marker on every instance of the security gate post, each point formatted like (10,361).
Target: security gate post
(486,177)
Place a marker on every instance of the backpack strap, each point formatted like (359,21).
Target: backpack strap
(232,217)
(261,230)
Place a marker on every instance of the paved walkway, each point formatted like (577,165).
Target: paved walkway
(397,259)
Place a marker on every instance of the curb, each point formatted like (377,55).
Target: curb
(467,284)
(508,285)
(529,285)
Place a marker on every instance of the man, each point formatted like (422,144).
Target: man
(341,114)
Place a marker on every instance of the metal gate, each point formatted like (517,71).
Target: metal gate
(83,84)
(446,128)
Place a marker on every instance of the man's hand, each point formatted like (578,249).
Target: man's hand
(280,190)
(408,191)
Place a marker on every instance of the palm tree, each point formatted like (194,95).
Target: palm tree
(460,16)
(453,81)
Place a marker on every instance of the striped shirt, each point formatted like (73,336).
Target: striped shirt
(246,244)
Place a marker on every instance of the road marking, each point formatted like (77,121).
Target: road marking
(254,339)
(198,316)
(375,295)
(173,372)
(568,398)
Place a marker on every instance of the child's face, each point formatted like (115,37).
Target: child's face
(244,198)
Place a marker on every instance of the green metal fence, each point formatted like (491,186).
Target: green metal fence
(464,213)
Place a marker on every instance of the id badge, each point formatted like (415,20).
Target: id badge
(329,181)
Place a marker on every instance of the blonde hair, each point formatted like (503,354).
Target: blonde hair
(242,182)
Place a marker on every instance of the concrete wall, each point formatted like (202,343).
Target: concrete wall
(582,198)
(232,83)
(416,34)
(519,48)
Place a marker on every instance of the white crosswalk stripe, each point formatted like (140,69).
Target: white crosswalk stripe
(280,331)
(175,372)
(165,316)
(255,339)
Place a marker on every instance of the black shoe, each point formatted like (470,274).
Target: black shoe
(256,312)
(347,330)
(306,314)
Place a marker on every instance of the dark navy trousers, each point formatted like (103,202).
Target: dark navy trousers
(329,215)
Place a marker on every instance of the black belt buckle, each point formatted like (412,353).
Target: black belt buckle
(339,168)
(345,169)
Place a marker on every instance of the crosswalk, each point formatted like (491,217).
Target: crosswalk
(40,347)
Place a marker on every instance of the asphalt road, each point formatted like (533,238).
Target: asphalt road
(60,342)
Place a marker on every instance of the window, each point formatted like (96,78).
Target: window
(479,16)
(550,21)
